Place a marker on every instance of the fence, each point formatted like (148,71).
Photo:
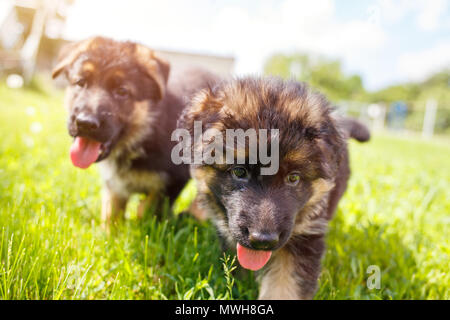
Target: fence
(400,117)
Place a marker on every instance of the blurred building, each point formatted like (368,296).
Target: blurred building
(222,65)
(31,35)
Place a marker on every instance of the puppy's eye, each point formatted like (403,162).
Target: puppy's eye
(122,92)
(293,179)
(80,82)
(239,173)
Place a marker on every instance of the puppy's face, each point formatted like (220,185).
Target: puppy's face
(258,211)
(112,89)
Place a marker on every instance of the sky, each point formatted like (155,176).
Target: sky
(385,41)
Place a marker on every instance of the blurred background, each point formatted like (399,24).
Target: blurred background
(386,62)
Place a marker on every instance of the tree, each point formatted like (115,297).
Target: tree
(321,73)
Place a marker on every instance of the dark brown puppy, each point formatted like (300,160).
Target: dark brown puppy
(286,214)
(122,111)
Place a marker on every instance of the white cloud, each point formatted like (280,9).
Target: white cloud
(294,25)
(252,31)
(251,35)
(430,16)
(417,66)
(393,11)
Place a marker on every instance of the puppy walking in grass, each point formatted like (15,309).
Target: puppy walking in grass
(276,221)
(122,109)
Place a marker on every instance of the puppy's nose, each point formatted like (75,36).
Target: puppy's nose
(264,240)
(87,122)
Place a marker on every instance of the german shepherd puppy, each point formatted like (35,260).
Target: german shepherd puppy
(122,111)
(279,219)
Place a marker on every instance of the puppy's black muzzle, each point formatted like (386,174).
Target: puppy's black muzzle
(264,240)
(87,124)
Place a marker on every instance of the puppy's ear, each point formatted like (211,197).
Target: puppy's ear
(68,54)
(332,144)
(157,68)
(205,106)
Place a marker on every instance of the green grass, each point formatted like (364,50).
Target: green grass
(395,215)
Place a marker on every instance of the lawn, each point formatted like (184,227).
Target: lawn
(395,215)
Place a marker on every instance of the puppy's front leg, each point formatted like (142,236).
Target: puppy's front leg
(197,211)
(113,207)
(294,270)
(154,202)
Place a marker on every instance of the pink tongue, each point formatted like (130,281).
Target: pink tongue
(252,259)
(84,152)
